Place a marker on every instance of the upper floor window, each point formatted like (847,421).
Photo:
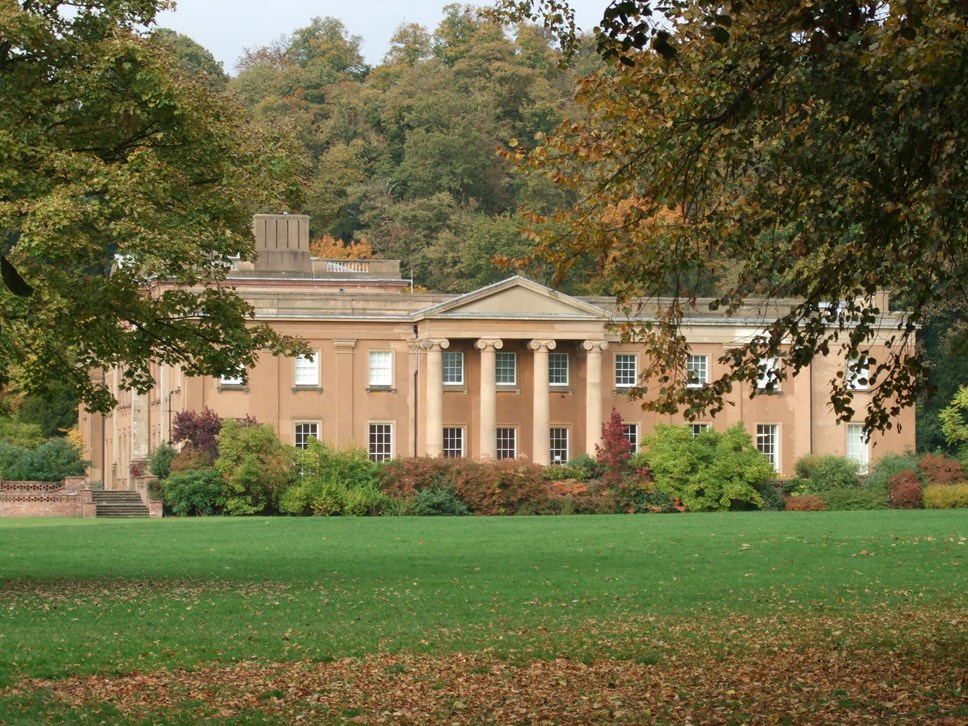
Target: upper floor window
(307,370)
(697,371)
(453,363)
(626,370)
(381,368)
(558,369)
(857,374)
(768,379)
(506,369)
(231,379)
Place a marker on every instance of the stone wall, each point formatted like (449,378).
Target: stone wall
(44,499)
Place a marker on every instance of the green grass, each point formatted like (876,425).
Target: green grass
(90,596)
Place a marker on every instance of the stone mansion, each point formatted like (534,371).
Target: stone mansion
(512,369)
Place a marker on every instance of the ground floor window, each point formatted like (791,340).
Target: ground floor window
(453,442)
(559,446)
(768,442)
(381,441)
(304,432)
(857,450)
(507,443)
(698,428)
(631,432)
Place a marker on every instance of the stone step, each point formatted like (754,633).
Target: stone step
(119,503)
(122,511)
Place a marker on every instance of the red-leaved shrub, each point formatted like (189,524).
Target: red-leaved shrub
(938,469)
(805,503)
(406,477)
(904,490)
(500,487)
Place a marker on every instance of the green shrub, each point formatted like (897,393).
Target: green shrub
(805,503)
(853,499)
(887,466)
(332,482)
(904,490)
(821,473)
(50,461)
(256,467)
(194,492)
(586,465)
(563,472)
(159,463)
(939,469)
(438,502)
(945,496)
(709,472)
(772,495)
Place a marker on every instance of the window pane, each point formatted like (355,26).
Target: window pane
(626,370)
(698,428)
(307,370)
(558,369)
(381,442)
(381,368)
(697,371)
(559,446)
(767,378)
(768,442)
(506,369)
(453,442)
(453,367)
(631,432)
(506,443)
(305,432)
(857,374)
(857,446)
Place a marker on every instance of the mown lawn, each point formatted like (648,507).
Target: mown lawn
(840,617)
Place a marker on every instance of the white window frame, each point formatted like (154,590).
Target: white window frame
(500,369)
(631,433)
(559,439)
(858,374)
(555,369)
(451,451)
(306,371)
(858,447)
(698,428)
(380,370)
(697,371)
(452,362)
(380,441)
(227,381)
(300,438)
(626,376)
(505,435)
(768,443)
(768,369)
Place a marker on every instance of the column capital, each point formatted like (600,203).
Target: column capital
(485,343)
(344,345)
(542,345)
(595,345)
(434,343)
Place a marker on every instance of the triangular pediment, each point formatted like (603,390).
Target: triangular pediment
(514,298)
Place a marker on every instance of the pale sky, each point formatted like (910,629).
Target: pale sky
(226,27)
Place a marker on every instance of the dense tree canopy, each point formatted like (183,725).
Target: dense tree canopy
(121,166)
(781,148)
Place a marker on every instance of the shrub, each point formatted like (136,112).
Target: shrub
(403,478)
(805,503)
(159,463)
(256,467)
(500,487)
(772,495)
(51,461)
(938,469)
(199,430)
(586,465)
(332,482)
(194,492)
(818,473)
(711,471)
(853,499)
(190,459)
(945,496)
(887,466)
(438,501)
(563,472)
(614,452)
(904,490)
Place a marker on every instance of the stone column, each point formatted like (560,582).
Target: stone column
(434,406)
(593,393)
(540,437)
(488,422)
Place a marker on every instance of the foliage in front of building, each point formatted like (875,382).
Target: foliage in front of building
(816,474)
(50,461)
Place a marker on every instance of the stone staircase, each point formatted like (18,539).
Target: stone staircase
(119,504)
